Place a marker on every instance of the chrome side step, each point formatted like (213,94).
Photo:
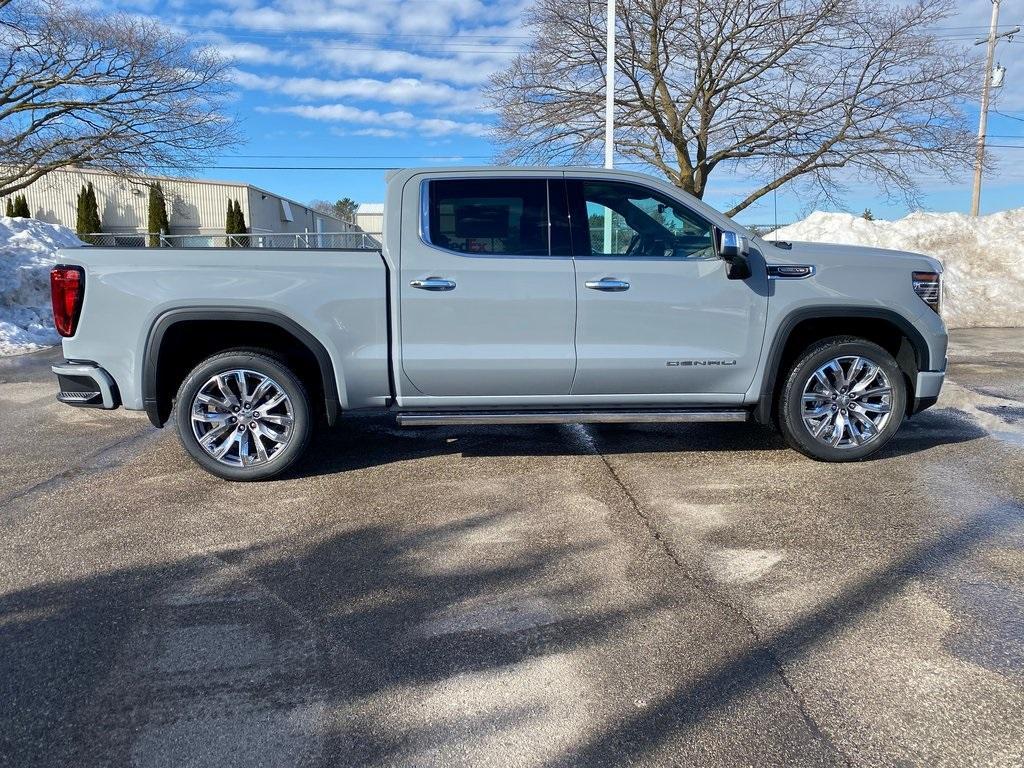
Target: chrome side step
(435,418)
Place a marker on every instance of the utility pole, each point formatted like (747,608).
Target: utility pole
(609,114)
(993,37)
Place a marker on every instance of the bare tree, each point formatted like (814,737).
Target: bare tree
(787,90)
(344,209)
(114,91)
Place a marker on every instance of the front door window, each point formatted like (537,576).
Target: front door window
(625,219)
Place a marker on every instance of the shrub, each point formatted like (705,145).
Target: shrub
(21,208)
(158,222)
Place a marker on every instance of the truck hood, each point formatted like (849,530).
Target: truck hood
(829,254)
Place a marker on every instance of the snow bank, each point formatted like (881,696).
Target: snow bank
(983,257)
(28,249)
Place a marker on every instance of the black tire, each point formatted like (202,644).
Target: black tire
(797,433)
(265,365)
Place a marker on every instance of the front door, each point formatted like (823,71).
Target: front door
(486,308)
(657,313)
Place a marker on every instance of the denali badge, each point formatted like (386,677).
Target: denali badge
(688,363)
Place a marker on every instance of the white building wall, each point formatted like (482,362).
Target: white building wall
(267,215)
(193,206)
(370,217)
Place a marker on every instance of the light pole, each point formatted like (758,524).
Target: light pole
(609,89)
(979,157)
(609,114)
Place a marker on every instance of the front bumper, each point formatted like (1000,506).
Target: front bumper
(86,385)
(927,388)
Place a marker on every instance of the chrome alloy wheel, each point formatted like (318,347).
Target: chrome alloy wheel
(242,418)
(847,402)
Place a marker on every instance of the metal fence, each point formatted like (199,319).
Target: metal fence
(111,240)
(340,240)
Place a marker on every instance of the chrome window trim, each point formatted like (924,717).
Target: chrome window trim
(425,213)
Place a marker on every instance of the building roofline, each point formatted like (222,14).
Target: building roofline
(184,179)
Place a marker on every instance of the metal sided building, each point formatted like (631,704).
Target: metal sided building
(194,206)
(370,218)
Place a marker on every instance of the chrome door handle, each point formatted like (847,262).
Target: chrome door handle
(608,284)
(434,284)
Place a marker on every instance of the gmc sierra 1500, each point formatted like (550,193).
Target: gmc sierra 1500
(506,295)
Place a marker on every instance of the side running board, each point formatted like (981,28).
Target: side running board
(435,418)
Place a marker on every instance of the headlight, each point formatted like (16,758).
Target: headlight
(928,285)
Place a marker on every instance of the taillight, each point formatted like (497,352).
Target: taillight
(928,285)
(67,285)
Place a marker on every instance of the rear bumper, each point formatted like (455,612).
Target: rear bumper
(86,385)
(927,388)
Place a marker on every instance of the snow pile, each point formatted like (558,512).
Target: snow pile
(28,248)
(983,257)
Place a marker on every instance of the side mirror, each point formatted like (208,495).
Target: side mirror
(734,249)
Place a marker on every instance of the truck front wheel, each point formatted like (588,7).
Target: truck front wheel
(243,415)
(843,399)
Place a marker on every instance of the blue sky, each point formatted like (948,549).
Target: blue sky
(382,83)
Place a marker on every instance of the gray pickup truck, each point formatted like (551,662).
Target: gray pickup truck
(506,296)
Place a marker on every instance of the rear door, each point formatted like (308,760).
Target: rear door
(488,307)
(657,313)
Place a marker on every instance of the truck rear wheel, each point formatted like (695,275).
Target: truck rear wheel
(843,399)
(243,415)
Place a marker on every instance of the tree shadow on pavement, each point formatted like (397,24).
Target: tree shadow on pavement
(631,740)
(279,653)
(358,442)
(227,657)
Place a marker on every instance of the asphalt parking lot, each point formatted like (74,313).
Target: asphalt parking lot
(520,596)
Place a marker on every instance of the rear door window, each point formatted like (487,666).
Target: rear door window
(489,216)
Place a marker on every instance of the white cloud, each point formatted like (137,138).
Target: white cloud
(436,15)
(461,68)
(421,44)
(394,121)
(359,17)
(254,53)
(343,113)
(305,18)
(434,126)
(403,90)
(379,133)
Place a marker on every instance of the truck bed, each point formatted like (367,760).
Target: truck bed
(338,296)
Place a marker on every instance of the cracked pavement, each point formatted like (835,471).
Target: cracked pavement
(517,596)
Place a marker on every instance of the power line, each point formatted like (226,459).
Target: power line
(446,44)
(294,167)
(965,32)
(334,167)
(457,156)
(452,43)
(398,167)
(982,27)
